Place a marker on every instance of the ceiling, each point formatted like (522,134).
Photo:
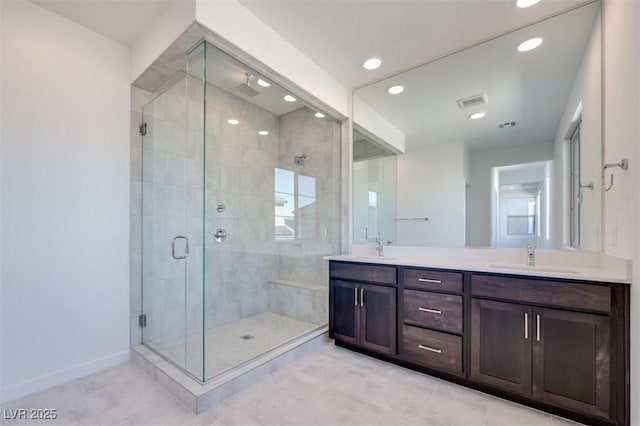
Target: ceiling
(228,74)
(530,89)
(338,35)
(123,21)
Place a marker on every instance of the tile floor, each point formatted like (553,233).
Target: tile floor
(225,347)
(331,386)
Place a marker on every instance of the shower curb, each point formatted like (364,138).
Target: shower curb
(199,397)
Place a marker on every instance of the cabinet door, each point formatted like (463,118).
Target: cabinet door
(378,318)
(345,313)
(571,360)
(501,345)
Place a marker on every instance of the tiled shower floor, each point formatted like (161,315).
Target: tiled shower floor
(234,343)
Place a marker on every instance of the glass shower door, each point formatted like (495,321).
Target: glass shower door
(167,228)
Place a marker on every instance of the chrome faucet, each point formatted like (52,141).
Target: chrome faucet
(379,247)
(531,255)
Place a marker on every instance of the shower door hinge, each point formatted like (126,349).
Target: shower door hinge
(142,320)
(143,129)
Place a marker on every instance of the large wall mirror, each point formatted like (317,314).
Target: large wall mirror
(503,147)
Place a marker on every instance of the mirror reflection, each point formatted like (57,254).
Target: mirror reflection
(374,191)
(502,144)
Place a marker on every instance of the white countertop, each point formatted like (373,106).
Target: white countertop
(587,266)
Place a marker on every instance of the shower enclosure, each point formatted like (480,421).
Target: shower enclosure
(240,201)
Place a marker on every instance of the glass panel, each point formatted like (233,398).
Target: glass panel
(195,348)
(220,150)
(265,282)
(164,247)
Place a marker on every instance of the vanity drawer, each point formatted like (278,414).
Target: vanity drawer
(433,310)
(591,297)
(441,351)
(359,272)
(432,280)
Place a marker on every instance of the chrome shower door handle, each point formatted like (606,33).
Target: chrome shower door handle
(173,247)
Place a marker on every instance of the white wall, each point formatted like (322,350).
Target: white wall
(481,163)
(65,200)
(586,92)
(431,182)
(167,28)
(621,49)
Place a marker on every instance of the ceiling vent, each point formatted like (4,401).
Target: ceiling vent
(507,124)
(472,101)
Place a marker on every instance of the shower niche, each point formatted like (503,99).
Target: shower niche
(240,202)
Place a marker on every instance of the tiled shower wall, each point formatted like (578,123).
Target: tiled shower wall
(302,133)
(239,172)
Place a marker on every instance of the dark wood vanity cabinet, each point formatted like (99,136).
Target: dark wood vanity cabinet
(431,319)
(501,345)
(554,356)
(555,349)
(360,313)
(558,345)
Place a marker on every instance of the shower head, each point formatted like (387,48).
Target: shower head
(299,160)
(246,89)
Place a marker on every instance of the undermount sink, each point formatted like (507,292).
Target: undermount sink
(534,268)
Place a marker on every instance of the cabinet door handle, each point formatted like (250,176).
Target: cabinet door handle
(526,325)
(429,280)
(362,297)
(355,297)
(433,311)
(538,328)
(427,348)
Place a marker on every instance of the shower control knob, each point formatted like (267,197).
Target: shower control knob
(220,235)
(220,206)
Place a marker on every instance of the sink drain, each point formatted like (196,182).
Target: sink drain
(246,337)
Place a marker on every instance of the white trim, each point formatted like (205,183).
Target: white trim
(18,390)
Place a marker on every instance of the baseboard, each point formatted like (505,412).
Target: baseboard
(18,390)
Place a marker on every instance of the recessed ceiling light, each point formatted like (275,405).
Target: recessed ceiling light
(290,98)
(477,115)
(319,115)
(530,44)
(263,83)
(233,121)
(394,90)
(526,3)
(263,133)
(372,64)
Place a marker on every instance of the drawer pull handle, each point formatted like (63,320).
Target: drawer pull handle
(538,328)
(433,311)
(526,325)
(427,348)
(429,280)
(355,296)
